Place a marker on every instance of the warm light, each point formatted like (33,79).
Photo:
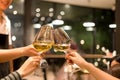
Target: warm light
(107,51)
(59,17)
(97,46)
(114,53)
(96,63)
(51,9)
(82,42)
(37,14)
(57,22)
(89,29)
(50,24)
(36,25)
(42,19)
(98,59)
(51,14)
(62,13)
(15,12)
(88,24)
(112,26)
(104,61)
(67,27)
(17,24)
(67,6)
(13,38)
(37,10)
(103,49)
(11,7)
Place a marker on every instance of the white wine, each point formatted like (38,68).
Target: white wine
(42,46)
(60,47)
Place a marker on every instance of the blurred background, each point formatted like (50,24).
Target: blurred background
(89,23)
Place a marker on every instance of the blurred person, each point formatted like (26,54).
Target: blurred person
(5,35)
(28,67)
(115,70)
(114,66)
(82,63)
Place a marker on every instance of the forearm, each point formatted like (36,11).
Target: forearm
(98,74)
(10,54)
(12,76)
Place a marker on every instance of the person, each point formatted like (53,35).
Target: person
(114,66)
(29,65)
(10,54)
(115,70)
(82,63)
(5,35)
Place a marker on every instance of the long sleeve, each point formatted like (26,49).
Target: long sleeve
(12,76)
(8,28)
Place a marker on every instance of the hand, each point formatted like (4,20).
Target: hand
(29,66)
(29,51)
(75,58)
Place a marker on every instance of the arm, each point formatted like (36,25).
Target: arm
(28,67)
(13,76)
(97,73)
(9,54)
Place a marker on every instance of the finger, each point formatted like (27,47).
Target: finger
(69,61)
(35,63)
(69,52)
(42,55)
(66,56)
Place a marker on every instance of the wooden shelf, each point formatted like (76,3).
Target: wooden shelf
(83,55)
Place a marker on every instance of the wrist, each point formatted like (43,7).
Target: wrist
(17,75)
(20,73)
(22,52)
(84,64)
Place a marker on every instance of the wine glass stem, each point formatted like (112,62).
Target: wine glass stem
(43,62)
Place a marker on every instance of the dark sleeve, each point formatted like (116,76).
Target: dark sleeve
(12,76)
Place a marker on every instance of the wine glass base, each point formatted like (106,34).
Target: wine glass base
(43,64)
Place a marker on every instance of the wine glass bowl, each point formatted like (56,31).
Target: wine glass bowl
(42,46)
(44,39)
(61,40)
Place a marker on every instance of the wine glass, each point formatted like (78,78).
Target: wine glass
(43,42)
(61,40)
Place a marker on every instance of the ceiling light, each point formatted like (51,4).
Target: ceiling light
(89,29)
(67,27)
(37,25)
(112,26)
(57,22)
(50,24)
(88,24)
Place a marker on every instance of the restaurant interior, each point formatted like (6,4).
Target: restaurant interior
(91,25)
